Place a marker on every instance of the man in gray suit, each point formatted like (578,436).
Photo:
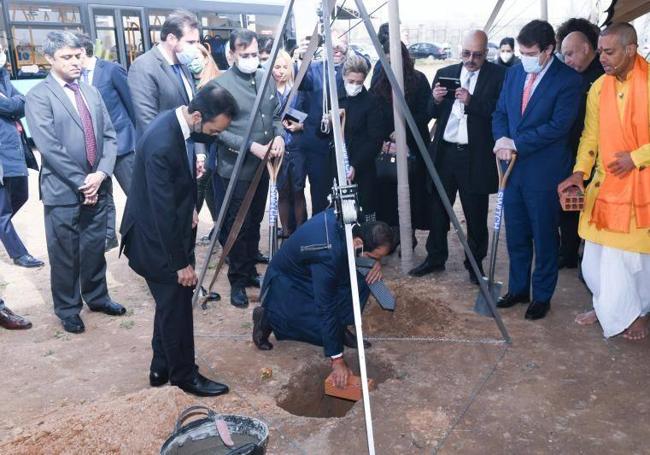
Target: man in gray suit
(159,79)
(74,134)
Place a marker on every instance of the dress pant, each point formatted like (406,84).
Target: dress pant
(76,238)
(532,219)
(243,253)
(173,331)
(13,195)
(205,193)
(453,168)
(123,171)
(569,238)
(318,165)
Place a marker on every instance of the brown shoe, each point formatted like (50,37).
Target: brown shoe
(11,321)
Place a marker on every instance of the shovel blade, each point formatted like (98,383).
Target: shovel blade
(482,306)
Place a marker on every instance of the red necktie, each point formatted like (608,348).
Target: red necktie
(86,123)
(528,88)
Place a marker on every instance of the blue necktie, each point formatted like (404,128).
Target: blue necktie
(189,149)
(179,74)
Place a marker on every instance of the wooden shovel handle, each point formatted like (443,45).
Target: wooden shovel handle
(503,177)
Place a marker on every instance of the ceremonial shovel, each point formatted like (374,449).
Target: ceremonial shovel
(481,306)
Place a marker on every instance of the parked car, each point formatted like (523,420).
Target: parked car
(426,50)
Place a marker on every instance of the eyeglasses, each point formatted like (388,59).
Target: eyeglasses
(468,54)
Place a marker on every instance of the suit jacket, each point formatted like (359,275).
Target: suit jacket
(155,87)
(483,170)
(56,129)
(317,282)
(541,134)
(157,234)
(111,81)
(12,108)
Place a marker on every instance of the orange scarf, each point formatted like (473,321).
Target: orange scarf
(618,196)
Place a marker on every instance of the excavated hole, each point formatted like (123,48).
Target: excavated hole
(304,395)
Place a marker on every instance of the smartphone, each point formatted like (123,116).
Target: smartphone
(295,115)
(450,83)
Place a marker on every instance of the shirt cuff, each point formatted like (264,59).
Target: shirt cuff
(337,356)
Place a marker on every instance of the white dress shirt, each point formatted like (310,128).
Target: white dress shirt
(69,93)
(186,83)
(185,129)
(456,130)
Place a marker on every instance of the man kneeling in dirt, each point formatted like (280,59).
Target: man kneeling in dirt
(307,295)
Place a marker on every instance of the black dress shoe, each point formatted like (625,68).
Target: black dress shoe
(238,298)
(537,310)
(426,268)
(111,309)
(254,282)
(203,387)
(158,378)
(73,324)
(261,330)
(28,261)
(509,300)
(350,340)
(261,259)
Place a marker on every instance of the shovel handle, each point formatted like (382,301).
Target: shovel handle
(503,177)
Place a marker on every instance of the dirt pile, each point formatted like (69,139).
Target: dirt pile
(135,423)
(418,312)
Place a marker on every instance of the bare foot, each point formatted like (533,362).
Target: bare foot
(587,318)
(638,330)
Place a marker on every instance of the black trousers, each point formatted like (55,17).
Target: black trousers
(243,253)
(76,238)
(569,239)
(453,169)
(173,331)
(13,195)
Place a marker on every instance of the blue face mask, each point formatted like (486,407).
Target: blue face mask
(531,63)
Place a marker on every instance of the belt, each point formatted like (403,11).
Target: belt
(461,147)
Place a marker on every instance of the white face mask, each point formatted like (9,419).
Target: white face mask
(506,56)
(188,54)
(248,65)
(3,59)
(352,89)
(531,63)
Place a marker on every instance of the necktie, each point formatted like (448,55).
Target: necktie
(179,74)
(189,149)
(86,123)
(528,88)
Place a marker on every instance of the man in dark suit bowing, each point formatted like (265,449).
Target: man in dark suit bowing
(111,81)
(158,230)
(462,149)
(74,134)
(536,110)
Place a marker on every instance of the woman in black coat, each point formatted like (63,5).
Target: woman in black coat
(363,133)
(419,100)
(507,53)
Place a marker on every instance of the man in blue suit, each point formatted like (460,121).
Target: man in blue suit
(307,294)
(111,81)
(537,107)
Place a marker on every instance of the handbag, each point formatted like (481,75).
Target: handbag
(386,163)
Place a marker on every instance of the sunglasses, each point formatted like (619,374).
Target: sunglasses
(468,54)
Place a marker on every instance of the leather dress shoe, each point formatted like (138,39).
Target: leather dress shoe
(28,261)
(425,268)
(261,259)
(510,300)
(238,297)
(158,378)
(11,321)
(111,309)
(350,340)
(254,282)
(73,324)
(261,330)
(110,244)
(537,310)
(203,387)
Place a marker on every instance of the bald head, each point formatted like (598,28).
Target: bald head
(474,49)
(577,51)
(624,31)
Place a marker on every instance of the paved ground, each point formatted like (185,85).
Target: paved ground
(446,382)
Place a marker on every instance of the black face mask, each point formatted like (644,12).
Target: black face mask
(200,137)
